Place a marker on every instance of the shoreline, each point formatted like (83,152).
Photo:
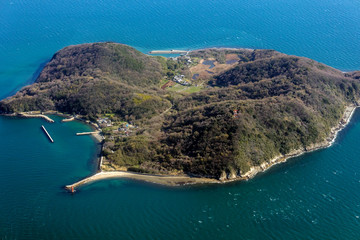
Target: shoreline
(30,115)
(328,142)
(175,51)
(166,180)
(180,180)
(225,48)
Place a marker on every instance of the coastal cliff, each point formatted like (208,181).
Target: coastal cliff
(214,113)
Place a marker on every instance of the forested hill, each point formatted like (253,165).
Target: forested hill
(243,108)
(92,79)
(116,62)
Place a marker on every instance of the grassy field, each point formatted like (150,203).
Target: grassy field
(185,89)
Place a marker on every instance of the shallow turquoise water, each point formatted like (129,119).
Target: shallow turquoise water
(315,196)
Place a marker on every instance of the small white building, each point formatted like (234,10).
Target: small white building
(180,79)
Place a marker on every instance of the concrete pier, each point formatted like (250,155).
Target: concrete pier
(86,133)
(168,52)
(47,134)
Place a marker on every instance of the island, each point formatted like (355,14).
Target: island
(208,115)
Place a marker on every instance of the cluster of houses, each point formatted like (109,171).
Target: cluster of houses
(126,128)
(104,122)
(180,80)
(188,59)
(183,57)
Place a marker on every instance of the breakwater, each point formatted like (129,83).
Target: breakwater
(47,134)
(29,115)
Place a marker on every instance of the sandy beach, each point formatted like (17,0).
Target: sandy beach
(158,179)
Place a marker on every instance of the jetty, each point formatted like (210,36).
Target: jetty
(168,52)
(68,119)
(86,133)
(96,134)
(47,134)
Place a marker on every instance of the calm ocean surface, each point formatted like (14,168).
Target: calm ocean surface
(315,196)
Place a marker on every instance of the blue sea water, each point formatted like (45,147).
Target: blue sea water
(31,31)
(315,196)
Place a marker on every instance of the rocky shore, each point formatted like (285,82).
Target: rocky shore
(349,110)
